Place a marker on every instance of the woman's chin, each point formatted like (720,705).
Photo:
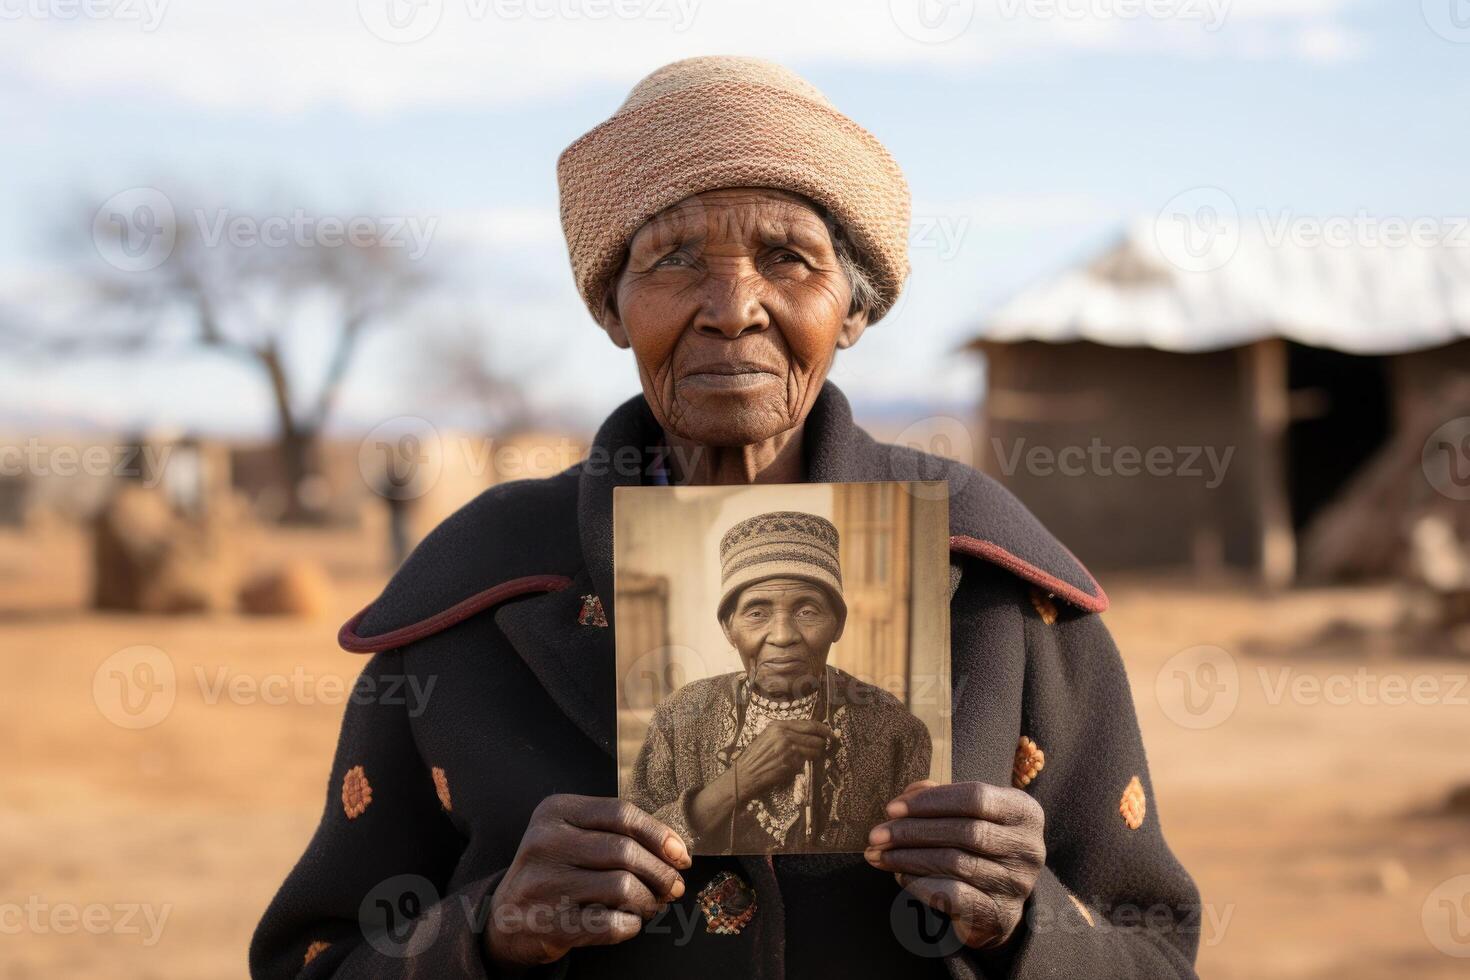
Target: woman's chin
(730,419)
(785,688)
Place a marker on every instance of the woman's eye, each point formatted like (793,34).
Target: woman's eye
(674,260)
(783,257)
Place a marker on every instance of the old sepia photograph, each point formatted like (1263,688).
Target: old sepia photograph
(782,658)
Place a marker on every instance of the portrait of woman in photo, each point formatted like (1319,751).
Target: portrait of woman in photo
(789,754)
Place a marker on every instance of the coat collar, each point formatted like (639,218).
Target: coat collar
(986,521)
(837,451)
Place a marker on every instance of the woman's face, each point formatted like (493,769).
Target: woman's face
(782,628)
(734,304)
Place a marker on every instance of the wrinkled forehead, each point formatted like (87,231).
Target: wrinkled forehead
(746,216)
(781,591)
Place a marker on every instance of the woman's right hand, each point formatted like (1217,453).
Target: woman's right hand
(777,754)
(590,870)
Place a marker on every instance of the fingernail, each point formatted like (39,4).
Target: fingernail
(898,808)
(879,835)
(675,849)
(678,888)
(873,855)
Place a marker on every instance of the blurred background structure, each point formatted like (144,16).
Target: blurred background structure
(282,285)
(1321,371)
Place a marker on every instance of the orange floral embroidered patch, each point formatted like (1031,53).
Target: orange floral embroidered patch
(357,792)
(441,786)
(1134,805)
(1030,760)
(315,950)
(1045,608)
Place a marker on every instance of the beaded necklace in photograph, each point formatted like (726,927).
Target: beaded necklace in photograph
(781,806)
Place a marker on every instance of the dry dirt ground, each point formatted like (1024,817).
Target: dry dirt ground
(1303,793)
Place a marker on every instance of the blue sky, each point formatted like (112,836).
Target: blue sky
(1029,139)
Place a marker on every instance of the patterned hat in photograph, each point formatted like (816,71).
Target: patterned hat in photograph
(780,544)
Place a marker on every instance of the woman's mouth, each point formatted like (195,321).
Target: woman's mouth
(784,664)
(727,381)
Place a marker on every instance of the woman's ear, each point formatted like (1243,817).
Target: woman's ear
(725,625)
(853,326)
(611,322)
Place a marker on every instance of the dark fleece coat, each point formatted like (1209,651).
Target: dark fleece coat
(490,689)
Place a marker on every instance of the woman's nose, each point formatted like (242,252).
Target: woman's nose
(732,305)
(781,633)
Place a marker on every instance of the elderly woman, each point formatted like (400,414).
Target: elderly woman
(734,230)
(789,754)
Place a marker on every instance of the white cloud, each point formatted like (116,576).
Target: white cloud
(1328,44)
(504,227)
(284,56)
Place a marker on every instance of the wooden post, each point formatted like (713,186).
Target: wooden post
(1268,414)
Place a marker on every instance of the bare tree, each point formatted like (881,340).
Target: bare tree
(458,370)
(255,287)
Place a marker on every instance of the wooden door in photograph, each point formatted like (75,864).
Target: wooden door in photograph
(873,527)
(643,625)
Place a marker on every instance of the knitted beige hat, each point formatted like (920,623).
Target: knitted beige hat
(780,544)
(708,123)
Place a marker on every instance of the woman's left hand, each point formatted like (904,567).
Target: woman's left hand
(971,850)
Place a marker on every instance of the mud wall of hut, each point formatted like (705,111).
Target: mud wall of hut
(1161,450)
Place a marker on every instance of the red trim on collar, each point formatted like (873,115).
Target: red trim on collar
(348,639)
(992,552)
